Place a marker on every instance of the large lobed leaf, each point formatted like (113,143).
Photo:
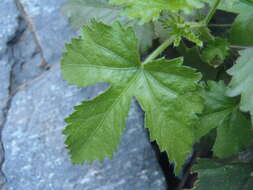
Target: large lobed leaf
(164,88)
(214,175)
(147,10)
(234,132)
(242,80)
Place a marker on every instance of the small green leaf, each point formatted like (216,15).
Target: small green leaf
(147,10)
(166,90)
(242,80)
(215,51)
(214,175)
(234,132)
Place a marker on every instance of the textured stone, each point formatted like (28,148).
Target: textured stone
(50,26)
(26,60)
(8,27)
(35,157)
(8,23)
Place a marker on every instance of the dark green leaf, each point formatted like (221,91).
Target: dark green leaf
(213,175)
(234,132)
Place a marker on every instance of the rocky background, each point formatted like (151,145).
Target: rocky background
(34,100)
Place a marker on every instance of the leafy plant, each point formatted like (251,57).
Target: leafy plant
(181,106)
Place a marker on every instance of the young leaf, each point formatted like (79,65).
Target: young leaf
(165,89)
(242,81)
(178,27)
(215,51)
(234,132)
(147,10)
(213,175)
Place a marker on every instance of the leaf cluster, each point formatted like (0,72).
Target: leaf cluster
(182,105)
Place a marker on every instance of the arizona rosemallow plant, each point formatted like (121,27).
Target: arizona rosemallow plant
(183,107)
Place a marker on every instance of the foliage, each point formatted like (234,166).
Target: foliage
(242,80)
(221,112)
(216,51)
(221,176)
(147,10)
(117,62)
(182,105)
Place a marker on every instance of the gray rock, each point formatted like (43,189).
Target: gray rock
(50,26)
(8,27)
(8,23)
(26,60)
(35,157)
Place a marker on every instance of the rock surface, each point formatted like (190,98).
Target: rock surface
(34,103)
(49,25)
(8,23)
(35,157)
(8,27)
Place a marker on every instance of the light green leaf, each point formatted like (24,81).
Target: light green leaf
(215,51)
(147,10)
(213,175)
(80,12)
(234,132)
(165,89)
(242,29)
(242,80)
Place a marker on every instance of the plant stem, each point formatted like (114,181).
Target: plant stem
(212,11)
(159,50)
(220,25)
(240,47)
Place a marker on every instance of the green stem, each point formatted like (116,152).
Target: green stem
(220,25)
(212,11)
(240,47)
(159,50)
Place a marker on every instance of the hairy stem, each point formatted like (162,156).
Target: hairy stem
(159,50)
(212,11)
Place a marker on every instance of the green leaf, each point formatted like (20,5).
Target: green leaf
(242,80)
(165,89)
(147,10)
(80,12)
(242,29)
(234,6)
(234,132)
(215,51)
(213,175)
